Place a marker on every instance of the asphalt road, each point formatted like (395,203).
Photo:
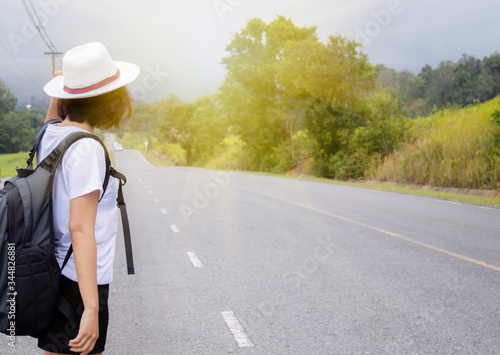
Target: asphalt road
(249,264)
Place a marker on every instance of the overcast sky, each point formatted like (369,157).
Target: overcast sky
(179,44)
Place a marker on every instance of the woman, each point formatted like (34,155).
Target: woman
(89,95)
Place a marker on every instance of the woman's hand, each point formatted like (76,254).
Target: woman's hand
(88,333)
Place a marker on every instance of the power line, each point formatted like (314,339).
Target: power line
(38,24)
(35,23)
(41,30)
(45,37)
(20,67)
(29,12)
(40,27)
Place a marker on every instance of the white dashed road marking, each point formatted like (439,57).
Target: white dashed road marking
(174,228)
(236,329)
(164,211)
(194,259)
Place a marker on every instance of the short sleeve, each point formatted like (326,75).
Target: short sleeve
(85,166)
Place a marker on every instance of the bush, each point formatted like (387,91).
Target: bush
(231,155)
(172,152)
(458,149)
(287,155)
(359,137)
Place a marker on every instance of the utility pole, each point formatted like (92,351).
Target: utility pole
(53,59)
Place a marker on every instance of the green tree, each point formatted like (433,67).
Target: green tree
(407,88)
(256,91)
(208,128)
(489,78)
(17,128)
(282,79)
(16,131)
(7,100)
(467,71)
(462,83)
(442,85)
(144,120)
(175,118)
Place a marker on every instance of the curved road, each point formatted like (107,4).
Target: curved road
(249,264)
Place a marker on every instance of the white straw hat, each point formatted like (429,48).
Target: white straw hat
(88,70)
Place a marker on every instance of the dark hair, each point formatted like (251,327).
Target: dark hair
(102,111)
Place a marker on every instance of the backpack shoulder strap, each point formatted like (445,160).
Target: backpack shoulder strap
(37,140)
(51,162)
(125,224)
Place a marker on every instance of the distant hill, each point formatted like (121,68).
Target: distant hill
(455,84)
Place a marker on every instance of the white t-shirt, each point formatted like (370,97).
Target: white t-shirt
(82,171)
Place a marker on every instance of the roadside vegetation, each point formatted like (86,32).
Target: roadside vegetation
(8,163)
(292,103)
(453,148)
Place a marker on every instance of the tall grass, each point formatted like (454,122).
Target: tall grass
(453,148)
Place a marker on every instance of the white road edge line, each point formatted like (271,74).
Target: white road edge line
(144,158)
(174,228)
(194,259)
(236,329)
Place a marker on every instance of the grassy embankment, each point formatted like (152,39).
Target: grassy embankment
(449,155)
(8,163)
(453,148)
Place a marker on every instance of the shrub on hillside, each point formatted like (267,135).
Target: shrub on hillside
(456,149)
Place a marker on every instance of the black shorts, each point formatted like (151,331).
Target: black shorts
(61,330)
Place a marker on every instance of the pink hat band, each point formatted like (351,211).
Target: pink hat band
(93,86)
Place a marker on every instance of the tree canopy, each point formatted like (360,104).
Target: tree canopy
(17,128)
(291,101)
(285,93)
(458,84)
(7,100)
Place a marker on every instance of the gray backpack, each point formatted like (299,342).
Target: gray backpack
(29,272)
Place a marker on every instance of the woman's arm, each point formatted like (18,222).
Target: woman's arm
(52,111)
(83,211)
